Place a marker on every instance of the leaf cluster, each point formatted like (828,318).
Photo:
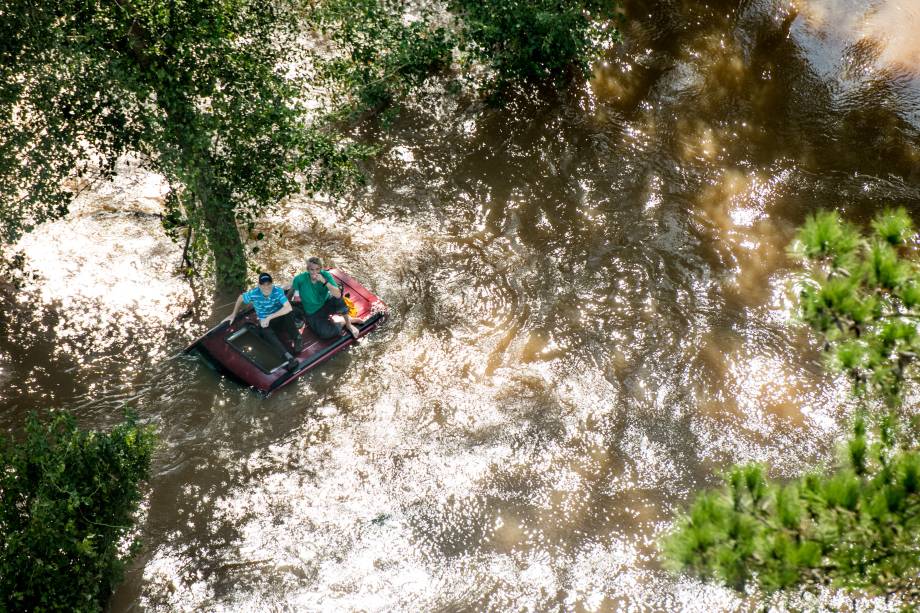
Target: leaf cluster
(536,41)
(862,295)
(55,100)
(376,56)
(213,94)
(856,527)
(382,51)
(67,503)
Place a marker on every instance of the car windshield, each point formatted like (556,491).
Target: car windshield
(251,345)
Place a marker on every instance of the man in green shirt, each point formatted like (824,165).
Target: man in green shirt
(319,301)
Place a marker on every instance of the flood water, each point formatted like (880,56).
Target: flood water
(591,316)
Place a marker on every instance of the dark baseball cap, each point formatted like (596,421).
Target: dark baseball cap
(265,278)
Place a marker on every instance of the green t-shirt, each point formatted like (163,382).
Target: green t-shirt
(312,295)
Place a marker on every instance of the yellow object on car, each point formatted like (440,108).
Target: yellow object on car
(352,309)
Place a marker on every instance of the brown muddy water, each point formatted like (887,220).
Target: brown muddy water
(591,316)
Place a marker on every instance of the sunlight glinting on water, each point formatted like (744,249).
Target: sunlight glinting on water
(382,566)
(106,272)
(890,24)
(736,209)
(591,315)
(302,227)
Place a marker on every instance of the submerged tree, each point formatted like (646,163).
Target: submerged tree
(209,93)
(536,40)
(375,58)
(68,500)
(855,526)
(382,50)
(216,96)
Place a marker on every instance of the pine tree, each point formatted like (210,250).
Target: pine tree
(856,525)
(863,296)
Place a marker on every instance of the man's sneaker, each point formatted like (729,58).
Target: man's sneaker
(298,345)
(292,364)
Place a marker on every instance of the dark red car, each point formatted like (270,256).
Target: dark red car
(236,350)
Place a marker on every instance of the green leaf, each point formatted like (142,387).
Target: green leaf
(825,234)
(788,507)
(883,268)
(893,226)
(856,454)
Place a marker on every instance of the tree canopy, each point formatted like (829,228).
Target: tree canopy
(68,499)
(535,41)
(218,97)
(210,94)
(375,60)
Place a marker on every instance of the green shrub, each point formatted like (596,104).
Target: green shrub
(67,504)
(378,58)
(536,40)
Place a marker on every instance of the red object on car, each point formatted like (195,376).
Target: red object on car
(235,349)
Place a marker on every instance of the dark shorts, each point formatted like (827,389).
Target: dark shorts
(319,321)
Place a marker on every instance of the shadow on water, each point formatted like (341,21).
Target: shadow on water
(591,317)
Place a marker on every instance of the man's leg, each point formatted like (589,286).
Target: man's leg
(320,324)
(340,310)
(299,313)
(269,336)
(286,324)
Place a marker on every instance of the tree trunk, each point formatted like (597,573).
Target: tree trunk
(222,235)
(216,212)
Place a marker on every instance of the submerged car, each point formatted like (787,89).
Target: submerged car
(236,350)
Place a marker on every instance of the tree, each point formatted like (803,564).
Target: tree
(68,498)
(215,96)
(209,93)
(382,50)
(375,59)
(855,526)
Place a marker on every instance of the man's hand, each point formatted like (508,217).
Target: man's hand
(264,322)
(236,309)
(317,276)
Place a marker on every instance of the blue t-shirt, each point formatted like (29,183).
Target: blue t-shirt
(263,305)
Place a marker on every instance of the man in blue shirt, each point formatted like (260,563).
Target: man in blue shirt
(275,315)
